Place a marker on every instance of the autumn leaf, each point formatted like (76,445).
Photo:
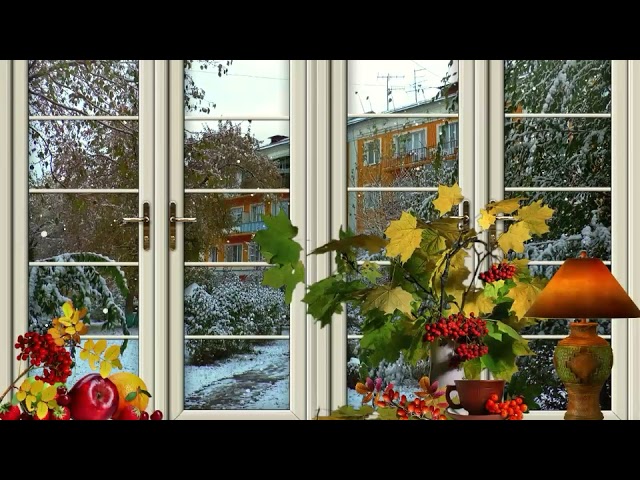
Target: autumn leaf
(534,216)
(478,303)
(506,206)
(486,219)
(286,276)
(105,369)
(276,241)
(447,197)
(522,267)
(432,242)
(389,300)
(372,243)
(99,346)
(514,238)
(112,352)
(403,236)
(524,294)
(42,410)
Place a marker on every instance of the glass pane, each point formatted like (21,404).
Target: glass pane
(371,212)
(559,326)
(225,220)
(79,154)
(402,152)
(61,223)
(83,87)
(254,377)
(557,152)
(225,301)
(243,154)
(236,87)
(557,86)
(377,86)
(581,221)
(537,379)
(109,293)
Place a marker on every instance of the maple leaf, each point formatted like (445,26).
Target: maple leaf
(522,267)
(534,216)
(524,294)
(286,276)
(388,300)
(403,236)
(478,303)
(486,219)
(506,206)
(370,271)
(514,238)
(447,197)
(372,243)
(276,241)
(432,241)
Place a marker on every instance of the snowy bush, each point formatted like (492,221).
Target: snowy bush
(85,286)
(227,304)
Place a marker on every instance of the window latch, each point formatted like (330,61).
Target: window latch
(173,220)
(145,219)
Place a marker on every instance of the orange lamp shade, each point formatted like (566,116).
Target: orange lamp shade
(583,288)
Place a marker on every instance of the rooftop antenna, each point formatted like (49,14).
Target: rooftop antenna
(370,107)
(389,90)
(361,104)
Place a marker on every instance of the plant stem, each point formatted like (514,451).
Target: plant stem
(4,394)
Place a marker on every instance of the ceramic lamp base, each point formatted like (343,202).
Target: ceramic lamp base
(583,362)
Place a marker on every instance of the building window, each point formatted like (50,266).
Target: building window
(281,205)
(213,254)
(448,137)
(255,255)
(371,152)
(256,212)
(411,143)
(233,253)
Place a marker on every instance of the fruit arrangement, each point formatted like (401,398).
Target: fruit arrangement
(511,409)
(466,332)
(95,396)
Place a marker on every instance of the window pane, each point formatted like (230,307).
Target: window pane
(79,154)
(255,377)
(83,87)
(557,86)
(537,378)
(581,221)
(109,293)
(377,86)
(224,301)
(236,87)
(239,154)
(402,152)
(557,152)
(223,220)
(61,223)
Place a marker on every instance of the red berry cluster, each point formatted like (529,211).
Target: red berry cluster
(42,350)
(509,409)
(466,331)
(498,271)
(418,407)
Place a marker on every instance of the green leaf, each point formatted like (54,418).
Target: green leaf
(347,411)
(130,396)
(503,327)
(387,413)
(286,276)
(491,289)
(370,271)
(388,300)
(432,241)
(472,369)
(321,303)
(372,243)
(276,241)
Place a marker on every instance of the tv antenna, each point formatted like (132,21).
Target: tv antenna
(388,89)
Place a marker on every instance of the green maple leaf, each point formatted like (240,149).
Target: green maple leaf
(472,369)
(371,243)
(491,289)
(388,300)
(432,241)
(287,276)
(347,411)
(321,303)
(276,241)
(387,413)
(370,271)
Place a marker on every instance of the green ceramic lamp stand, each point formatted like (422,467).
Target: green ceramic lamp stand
(583,288)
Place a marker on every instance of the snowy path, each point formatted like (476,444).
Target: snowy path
(257,380)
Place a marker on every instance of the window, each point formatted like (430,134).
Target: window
(236,214)
(371,152)
(213,254)
(233,253)
(256,213)
(255,255)
(413,144)
(281,205)
(448,138)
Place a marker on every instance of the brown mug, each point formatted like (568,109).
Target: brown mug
(473,394)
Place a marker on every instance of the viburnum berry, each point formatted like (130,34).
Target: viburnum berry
(465,331)
(498,271)
(510,409)
(41,350)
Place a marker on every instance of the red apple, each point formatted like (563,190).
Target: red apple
(93,398)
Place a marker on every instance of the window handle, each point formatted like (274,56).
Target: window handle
(145,219)
(173,220)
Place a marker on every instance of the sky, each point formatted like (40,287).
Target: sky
(261,87)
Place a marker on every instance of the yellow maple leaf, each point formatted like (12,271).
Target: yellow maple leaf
(403,236)
(478,303)
(534,216)
(522,266)
(524,294)
(388,300)
(514,238)
(506,206)
(486,219)
(448,197)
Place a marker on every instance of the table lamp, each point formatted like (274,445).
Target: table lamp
(583,288)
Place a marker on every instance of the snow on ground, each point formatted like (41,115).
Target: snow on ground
(248,381)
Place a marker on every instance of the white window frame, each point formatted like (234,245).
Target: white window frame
(367,152)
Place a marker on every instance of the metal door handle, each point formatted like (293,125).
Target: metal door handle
(173,221)
(145,219)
